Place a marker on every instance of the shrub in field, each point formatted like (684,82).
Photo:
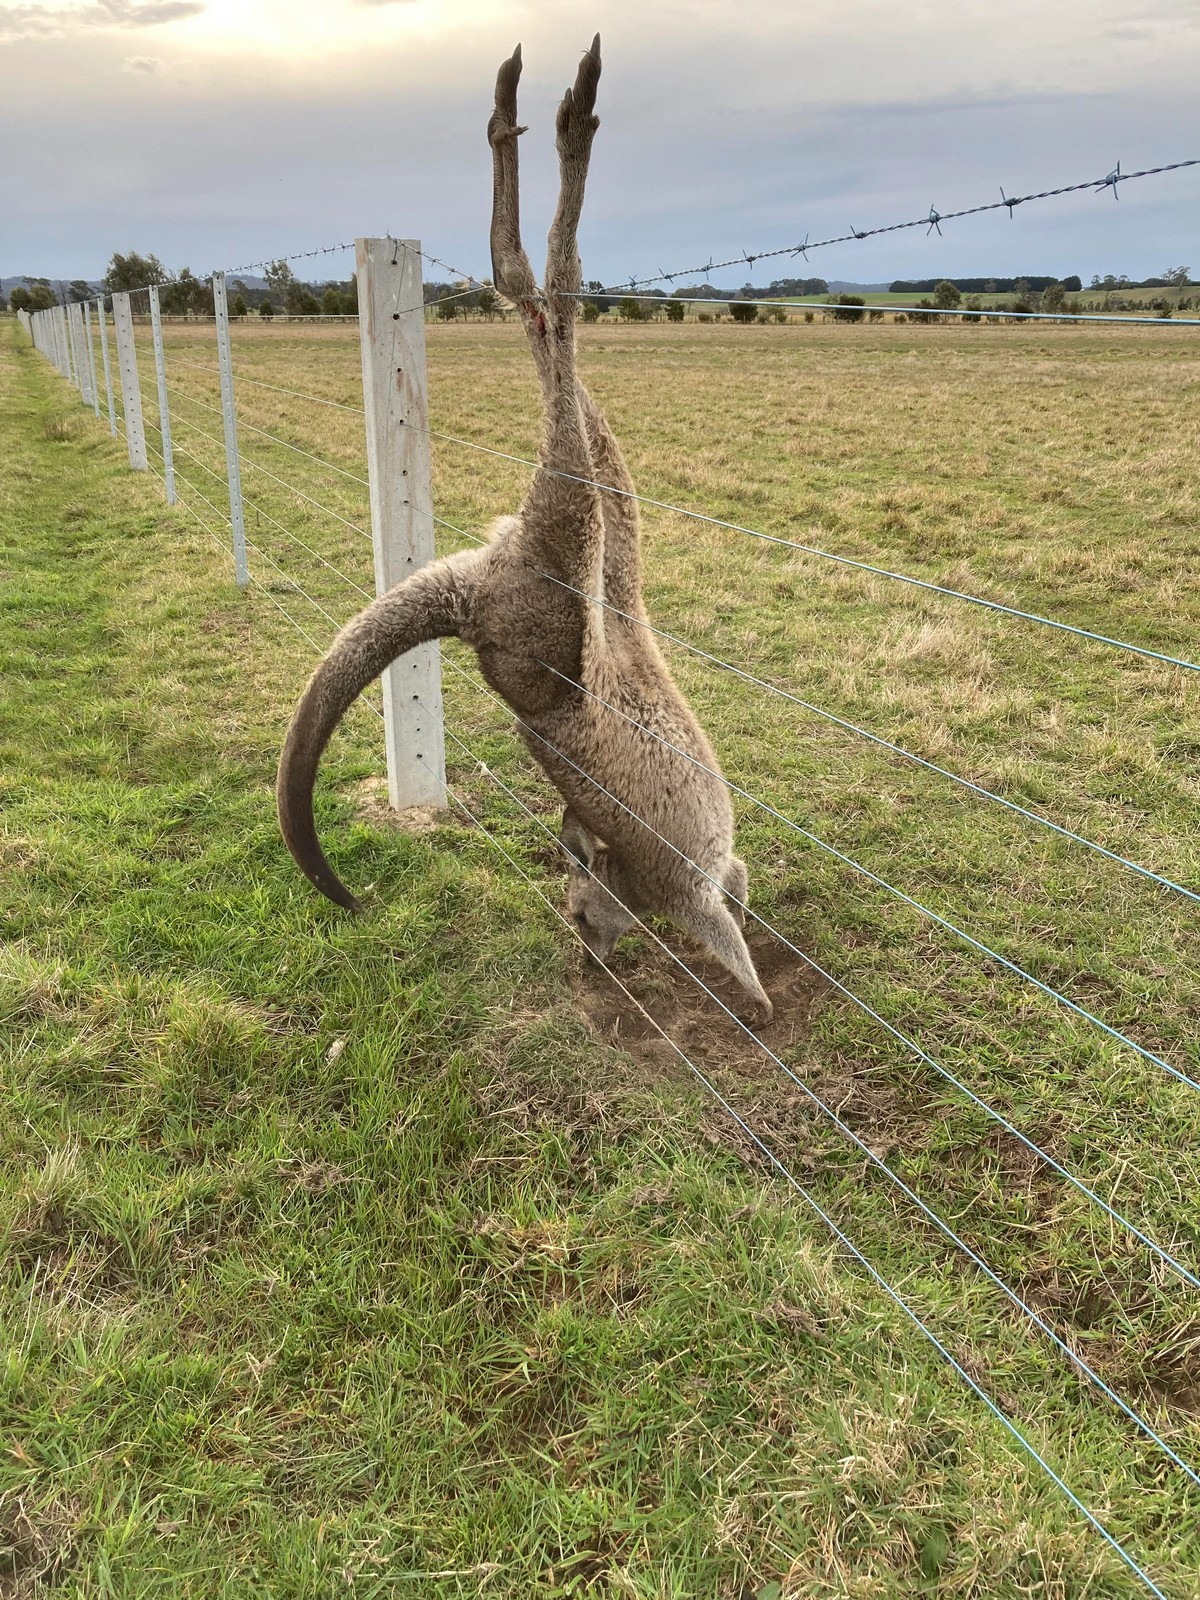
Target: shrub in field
(629,309)
(743,310)
(849,308)
(809,315)
(21,299)
(589,311)
(947,295)
(900,317)
(779,313)
(331,301)
(266,309)
(704,316)
(674,310)
(447,310)
(874,314)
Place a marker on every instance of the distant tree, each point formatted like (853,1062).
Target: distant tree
(973,304)
(488,301)
(674,310)
(1053,297)
(41,296)
(133,271)
(266,309)
(1073,284)
(849,308)
(447,310)
(78,290)
(629,309)
(350,298)
(279,278)
(589,311)
(743,310)
(331,301)
(239,307)
(947,296)
(779,313)
(923,315)
(1178,276)
(187,295)
(303,302)
(21,299)
(596,292)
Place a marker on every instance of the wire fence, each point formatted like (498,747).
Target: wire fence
(283,470)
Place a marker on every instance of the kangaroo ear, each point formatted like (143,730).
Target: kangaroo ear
(579,844)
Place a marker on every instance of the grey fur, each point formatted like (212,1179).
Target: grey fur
(502,601)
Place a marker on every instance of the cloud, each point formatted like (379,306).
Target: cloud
(141,64)
(40,21)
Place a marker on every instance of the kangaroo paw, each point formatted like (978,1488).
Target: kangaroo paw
(503,124)
(577,122)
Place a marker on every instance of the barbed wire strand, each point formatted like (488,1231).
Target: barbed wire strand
(865,1149)
(814,550)
(930,220)
(839,1234)
(1164,1255)
(850,727)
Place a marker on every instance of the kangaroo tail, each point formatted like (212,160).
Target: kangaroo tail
(432,604)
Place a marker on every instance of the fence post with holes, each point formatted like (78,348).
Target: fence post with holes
(391,320)
(91,355)
(73,350)
(108,383)
(131,394)
(233,469)
(80,351)
(164,415)
(60,342)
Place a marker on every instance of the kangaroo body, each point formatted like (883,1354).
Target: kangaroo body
(648,821)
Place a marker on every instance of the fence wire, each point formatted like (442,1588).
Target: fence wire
(263,505)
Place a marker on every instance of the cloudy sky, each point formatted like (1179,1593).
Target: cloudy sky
(220,132)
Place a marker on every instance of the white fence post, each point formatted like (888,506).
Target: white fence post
(233,467)
(61,359)
(73,348)
(131,394)
(164,415)
(91,355)
(75,313)
(108,384)
(391,315)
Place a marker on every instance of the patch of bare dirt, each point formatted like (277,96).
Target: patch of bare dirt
(664,999)
(371,805)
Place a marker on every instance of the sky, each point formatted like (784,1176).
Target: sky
(219,133)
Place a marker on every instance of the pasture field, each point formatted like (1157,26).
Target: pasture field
(397,1255)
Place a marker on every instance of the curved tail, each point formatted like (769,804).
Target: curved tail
(432,604)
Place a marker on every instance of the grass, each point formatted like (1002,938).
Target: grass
(387,1255)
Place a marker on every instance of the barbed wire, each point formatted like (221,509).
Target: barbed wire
(930,221)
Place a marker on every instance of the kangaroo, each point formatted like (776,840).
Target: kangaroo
(521,603)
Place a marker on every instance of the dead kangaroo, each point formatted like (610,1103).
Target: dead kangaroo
(537,641)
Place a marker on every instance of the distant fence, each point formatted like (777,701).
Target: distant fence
(101,359)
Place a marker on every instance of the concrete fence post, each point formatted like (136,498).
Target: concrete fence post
(91,355)
(131,393)
(391,317)
(233,469)
(108,383)
(164,415)
(79,353)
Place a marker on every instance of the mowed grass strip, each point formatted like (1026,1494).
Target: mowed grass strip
(339,1257)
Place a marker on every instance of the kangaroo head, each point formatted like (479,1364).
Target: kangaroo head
(595,890)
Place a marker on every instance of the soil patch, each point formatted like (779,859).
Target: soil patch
(661,992)
(371,805)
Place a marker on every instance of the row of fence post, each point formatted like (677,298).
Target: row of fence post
(395,403)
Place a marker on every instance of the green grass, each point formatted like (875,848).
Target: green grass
(341,1255)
